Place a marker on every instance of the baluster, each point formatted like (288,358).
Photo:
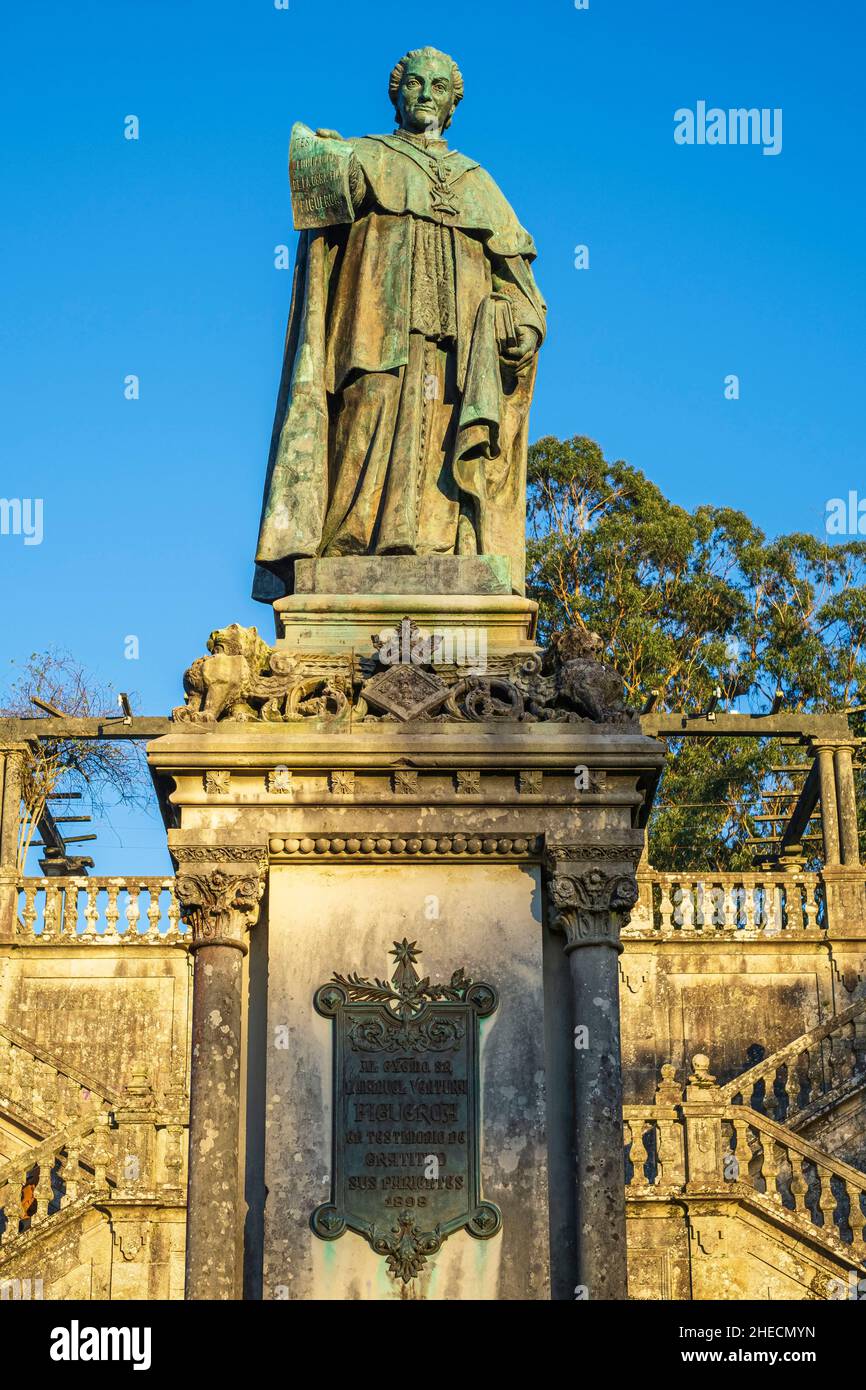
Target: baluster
(810,903)
(799,1186)
(638,1153)
(51,910)
(775,1156)
(173,1161)
(71,1174)
(173,933)
(91,911)
(70,908)
(699,916)
(794,921)
(687,910)
(762,1179)
(792,1085)
(743,1151)
(43,1192)
(729,907)
(29,911)
(826,1199)
(749,904)
(112,912)
(772,909)
(814,1074)
(856,1219)
(154,912)
(133,912)
(101,1156)
(666,906)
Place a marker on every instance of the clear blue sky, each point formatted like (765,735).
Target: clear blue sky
(156,257)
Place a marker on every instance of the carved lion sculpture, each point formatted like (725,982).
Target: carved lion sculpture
(218,685)
(585,681)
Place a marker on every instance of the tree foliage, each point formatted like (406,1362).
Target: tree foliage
(688,603)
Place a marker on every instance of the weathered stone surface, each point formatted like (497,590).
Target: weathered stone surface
(382,828)
(487,918)
(404,574)
(219,896)
(335,622)
(404,672)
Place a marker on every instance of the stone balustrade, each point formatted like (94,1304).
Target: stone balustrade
(797,1078)
(723,905)
(35,1083)
(135,1150)
(48,1178)
(91,911)
(704,1146)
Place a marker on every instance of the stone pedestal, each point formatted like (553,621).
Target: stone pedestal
(490,826)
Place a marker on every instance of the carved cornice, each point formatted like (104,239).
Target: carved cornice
(409,846)
(589,904)
(584,852)
(219,854)
(219,900)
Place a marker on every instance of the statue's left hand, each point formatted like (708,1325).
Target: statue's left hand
(329,135)
(524,349)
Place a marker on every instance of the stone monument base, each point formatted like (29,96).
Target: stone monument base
(432,1084)
(344,602)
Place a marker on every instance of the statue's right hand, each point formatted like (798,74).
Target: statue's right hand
(329,135)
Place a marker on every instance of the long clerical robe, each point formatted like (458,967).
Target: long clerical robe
(400,428)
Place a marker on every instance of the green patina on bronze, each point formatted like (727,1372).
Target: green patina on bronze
(402,416)
(406,1170)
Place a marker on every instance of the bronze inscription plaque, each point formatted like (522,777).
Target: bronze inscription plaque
(405,1167)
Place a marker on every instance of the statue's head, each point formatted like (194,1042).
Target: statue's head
(425,87)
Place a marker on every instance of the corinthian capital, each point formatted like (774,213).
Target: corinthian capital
(219,892)
(590,902)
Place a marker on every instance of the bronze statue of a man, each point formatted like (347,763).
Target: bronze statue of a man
(402,416)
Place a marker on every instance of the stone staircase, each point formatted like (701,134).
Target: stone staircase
(815,1085)
(744,1155)
(66,1173)
(40,1089)
(85,1159)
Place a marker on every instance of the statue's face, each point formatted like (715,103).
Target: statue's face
(426,95)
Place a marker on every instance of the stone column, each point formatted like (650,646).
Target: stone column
(590,902)
(11,769)
(846,800)
(829,811)
(219,891)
